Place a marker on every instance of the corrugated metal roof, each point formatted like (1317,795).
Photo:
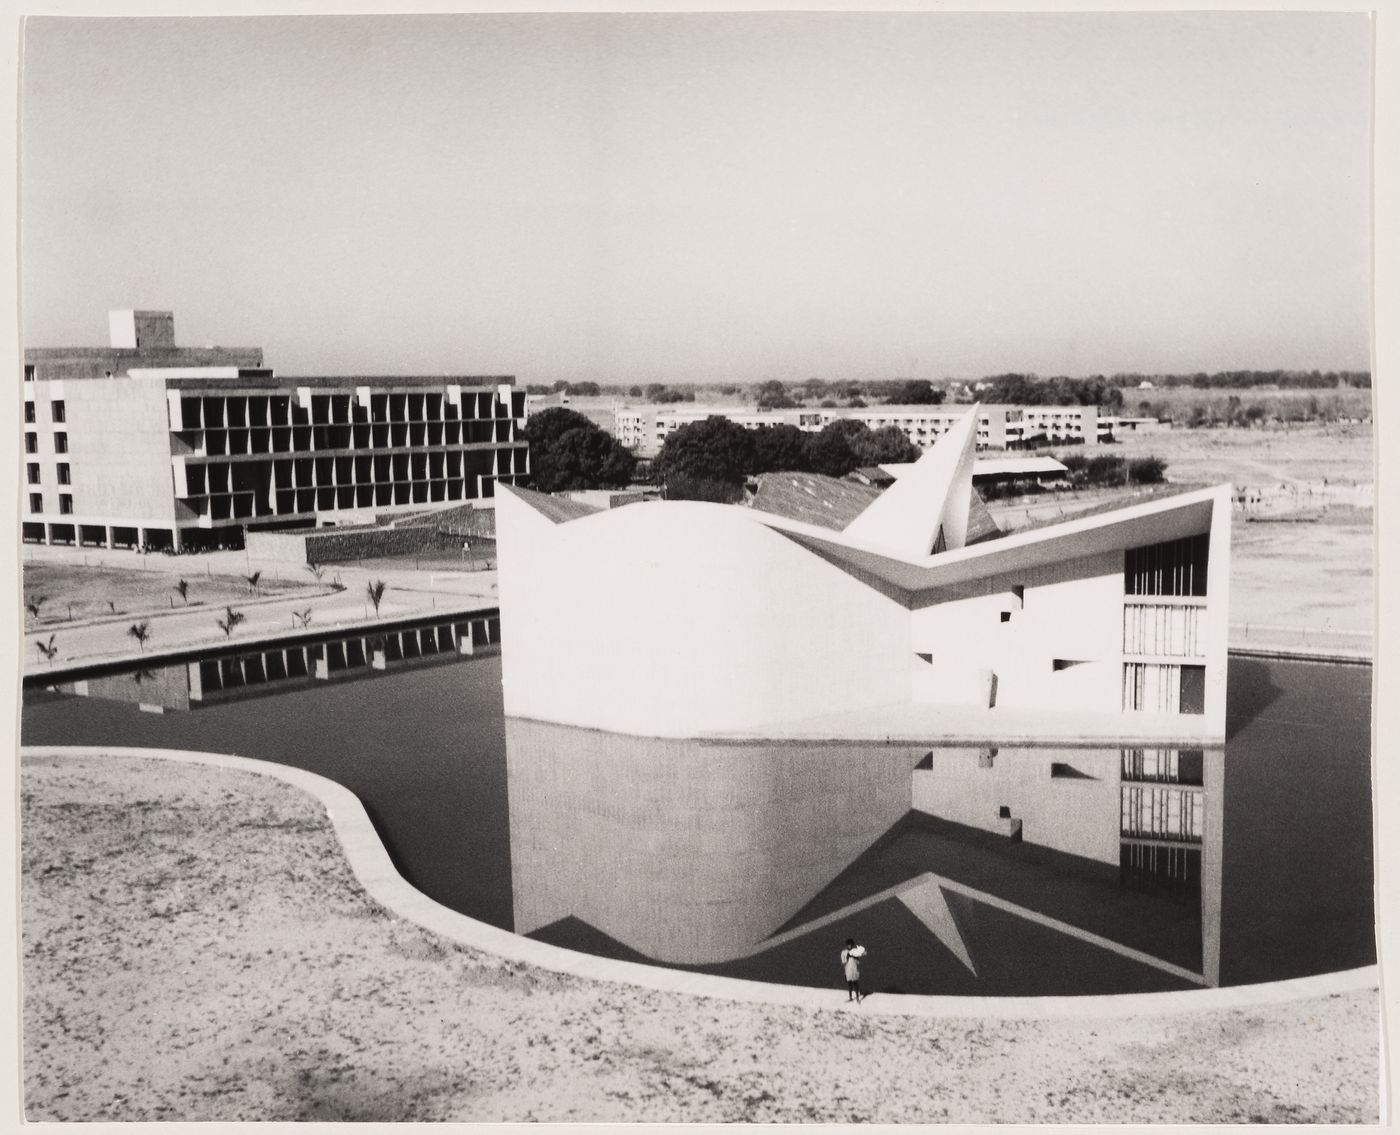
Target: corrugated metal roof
(994,467)
(813,498)
(557,509)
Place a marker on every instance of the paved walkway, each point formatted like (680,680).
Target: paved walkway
(408,592)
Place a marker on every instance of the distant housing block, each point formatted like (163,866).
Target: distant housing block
(645,429)
(159,446)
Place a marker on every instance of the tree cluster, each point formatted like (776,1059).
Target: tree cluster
(1111,469)
(567,451)
(710,459)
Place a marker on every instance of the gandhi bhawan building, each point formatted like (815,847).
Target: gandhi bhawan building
(145,444)
(913,619)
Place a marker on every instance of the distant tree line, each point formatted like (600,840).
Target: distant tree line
(1243,379)
(1012,388)
(1260,411)
(710,459)
(1028,390)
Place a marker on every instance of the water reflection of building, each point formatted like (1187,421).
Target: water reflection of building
(289,664)
(693,852)
(1155,813)
(684,851)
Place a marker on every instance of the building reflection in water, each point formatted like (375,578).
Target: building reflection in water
(233,675)
(696,853)
(684,851)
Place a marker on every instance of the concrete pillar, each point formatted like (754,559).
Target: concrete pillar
(48,533)
(1212,863)
(175,540)
(140,539)
(111,538)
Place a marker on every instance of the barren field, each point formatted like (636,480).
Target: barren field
(1303,562)
(1307,453)
(77,592)
(196,948)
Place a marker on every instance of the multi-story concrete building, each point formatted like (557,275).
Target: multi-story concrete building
(190,456)
(901,623)
(645,429)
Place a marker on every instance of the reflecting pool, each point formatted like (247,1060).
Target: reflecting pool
(987,870)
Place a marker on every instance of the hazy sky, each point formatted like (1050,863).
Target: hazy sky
(689,198)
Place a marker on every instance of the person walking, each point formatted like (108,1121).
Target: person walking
(850,965)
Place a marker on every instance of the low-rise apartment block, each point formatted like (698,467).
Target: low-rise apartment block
(645,429)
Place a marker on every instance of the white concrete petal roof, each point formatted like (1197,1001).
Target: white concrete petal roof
(933,495)
(1154,521)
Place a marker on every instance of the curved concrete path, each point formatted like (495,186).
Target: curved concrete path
(370,862)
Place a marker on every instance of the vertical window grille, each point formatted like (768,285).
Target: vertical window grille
(1177,567)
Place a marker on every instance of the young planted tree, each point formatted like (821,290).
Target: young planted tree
(183,587)
(231,619)
(302,617)
(253,582)
(375,592)
(34,604)
(317,570)
(48,649)
(141,632)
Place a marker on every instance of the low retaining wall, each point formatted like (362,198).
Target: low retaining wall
(341,545)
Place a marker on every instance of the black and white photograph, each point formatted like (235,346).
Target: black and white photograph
(697,567)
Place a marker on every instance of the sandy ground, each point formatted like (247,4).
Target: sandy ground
(409,591)
(1255,457)
(74,591)
(196,948)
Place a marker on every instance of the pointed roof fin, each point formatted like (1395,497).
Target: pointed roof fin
(936,492)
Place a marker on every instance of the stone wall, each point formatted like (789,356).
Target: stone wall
(339,545)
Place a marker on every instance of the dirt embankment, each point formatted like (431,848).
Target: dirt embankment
(196,948)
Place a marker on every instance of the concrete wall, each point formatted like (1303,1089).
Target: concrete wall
(332,545)
(1072,612)
(1078,815)
(682,618)
(118,451)
(688,852)
(96,362)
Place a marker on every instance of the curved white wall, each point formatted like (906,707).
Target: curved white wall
(682,618)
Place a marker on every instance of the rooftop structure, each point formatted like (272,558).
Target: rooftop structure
(136,339)
(171,454)
(721,620)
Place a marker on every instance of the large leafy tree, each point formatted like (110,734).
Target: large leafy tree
(779,449)
(832,451)
(567,451)
(705,460)
(888,444)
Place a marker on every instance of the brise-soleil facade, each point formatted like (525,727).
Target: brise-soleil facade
(149,445)
(690,619)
